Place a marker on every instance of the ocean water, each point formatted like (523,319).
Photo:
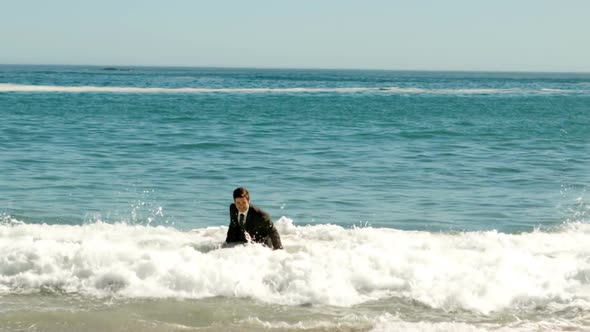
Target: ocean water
(414,201)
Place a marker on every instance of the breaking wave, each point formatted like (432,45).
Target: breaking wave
(322,264)
(9,87)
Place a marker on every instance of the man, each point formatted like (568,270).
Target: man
(249,223)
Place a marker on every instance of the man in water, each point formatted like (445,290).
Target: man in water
(249,223)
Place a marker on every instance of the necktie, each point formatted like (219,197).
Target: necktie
(241,219)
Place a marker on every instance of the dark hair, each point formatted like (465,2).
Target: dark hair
(242,192)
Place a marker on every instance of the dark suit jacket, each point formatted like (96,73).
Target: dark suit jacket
(258,224)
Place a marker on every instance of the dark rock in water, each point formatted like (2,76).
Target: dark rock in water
(114,69)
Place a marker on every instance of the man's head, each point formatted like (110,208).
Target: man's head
(242,199)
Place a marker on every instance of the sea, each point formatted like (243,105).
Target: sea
(405,200)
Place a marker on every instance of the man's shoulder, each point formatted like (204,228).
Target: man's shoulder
(257,210)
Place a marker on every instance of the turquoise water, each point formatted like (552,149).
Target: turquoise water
(467,152)
(390,171)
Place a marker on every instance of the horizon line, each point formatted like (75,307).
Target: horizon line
(120,66)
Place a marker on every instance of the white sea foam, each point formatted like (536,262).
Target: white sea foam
(322,264)
(387,322)
(9,87)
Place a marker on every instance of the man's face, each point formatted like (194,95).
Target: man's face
(242,203)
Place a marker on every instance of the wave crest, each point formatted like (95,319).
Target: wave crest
(9,87)
(322,264)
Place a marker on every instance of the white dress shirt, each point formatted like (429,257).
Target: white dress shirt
(245,215)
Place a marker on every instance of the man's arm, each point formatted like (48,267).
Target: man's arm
(276,239)
(272,232)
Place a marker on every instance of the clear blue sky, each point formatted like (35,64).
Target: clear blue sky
(522,35)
